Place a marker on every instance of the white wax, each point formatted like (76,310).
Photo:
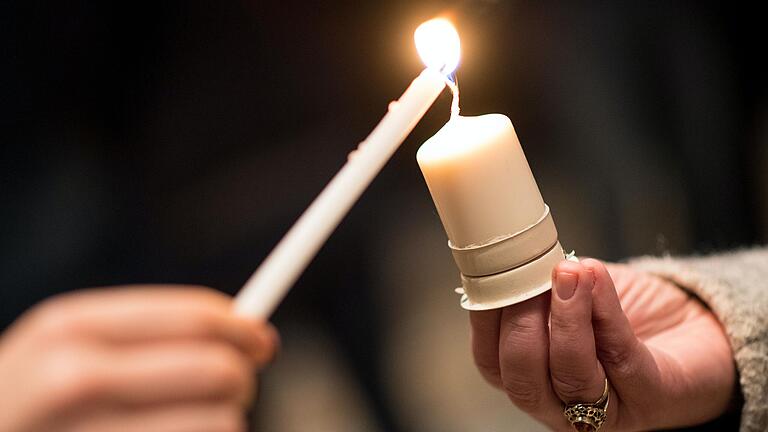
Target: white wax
(270,283)
(480,180)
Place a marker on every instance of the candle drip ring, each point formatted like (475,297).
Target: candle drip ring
(512,286)
(507,252)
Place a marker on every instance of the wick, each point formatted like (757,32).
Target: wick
(453,84)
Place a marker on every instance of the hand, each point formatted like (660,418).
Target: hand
(666,356)
(131,359)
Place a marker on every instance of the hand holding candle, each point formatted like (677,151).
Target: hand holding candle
(664,353)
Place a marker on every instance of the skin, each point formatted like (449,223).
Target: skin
(666,356)
(144,358)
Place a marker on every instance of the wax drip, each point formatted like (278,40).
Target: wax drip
(453,84)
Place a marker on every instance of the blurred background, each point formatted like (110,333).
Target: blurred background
(176,141)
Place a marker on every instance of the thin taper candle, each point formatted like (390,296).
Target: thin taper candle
(438,45)
(280,270)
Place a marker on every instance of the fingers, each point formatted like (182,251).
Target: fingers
(71,380)
(485,344)
(524,357)
(135,350)
(171,372)
(142,314)
(577,376)
(188,417)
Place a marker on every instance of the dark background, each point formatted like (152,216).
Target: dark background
(176,141)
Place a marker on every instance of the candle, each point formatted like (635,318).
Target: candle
(479,178)
(438,44)
(500,231)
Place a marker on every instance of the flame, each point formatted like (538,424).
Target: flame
(438,44)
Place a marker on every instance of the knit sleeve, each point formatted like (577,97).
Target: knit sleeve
(734,286)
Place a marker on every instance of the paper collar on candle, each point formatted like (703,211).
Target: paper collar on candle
(438,44)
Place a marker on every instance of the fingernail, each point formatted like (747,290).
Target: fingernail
(566,285)
(591,275)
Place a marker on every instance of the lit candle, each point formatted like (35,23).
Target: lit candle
(500,231)
(438,45)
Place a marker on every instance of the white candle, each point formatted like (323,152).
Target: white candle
(500,231)
(273,279)
(479,179)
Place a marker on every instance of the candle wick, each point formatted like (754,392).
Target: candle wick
(453,84)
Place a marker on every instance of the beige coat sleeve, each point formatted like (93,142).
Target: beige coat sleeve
(735,286)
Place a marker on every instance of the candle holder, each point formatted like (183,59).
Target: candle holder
(509,269)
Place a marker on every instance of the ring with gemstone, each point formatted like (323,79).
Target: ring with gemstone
(588,417)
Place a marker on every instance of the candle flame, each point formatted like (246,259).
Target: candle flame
(438,44)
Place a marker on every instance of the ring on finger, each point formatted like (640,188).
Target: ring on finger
(588,417)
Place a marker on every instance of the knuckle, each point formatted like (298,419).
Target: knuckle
(527,396)
(492,374)
(524,326)
(488,366)
(571,388)
(230,371)
(203,322)
(53,319)
(619,360)
(517,341)
(68,378)
(565,326)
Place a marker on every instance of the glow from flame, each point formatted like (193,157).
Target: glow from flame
(438,44)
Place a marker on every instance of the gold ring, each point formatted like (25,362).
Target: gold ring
(588,417)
